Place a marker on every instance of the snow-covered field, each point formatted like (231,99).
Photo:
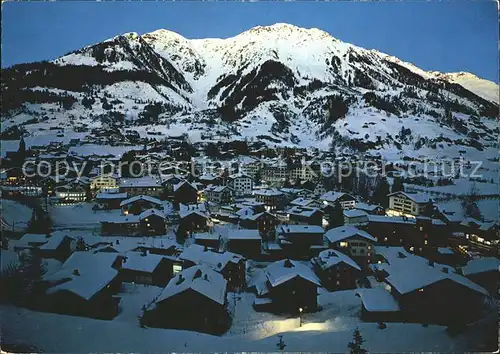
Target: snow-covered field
(328,330)
(15,216)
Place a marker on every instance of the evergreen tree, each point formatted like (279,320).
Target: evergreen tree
(397,185)
(336,217)
(381,192)
(281,343)
(355,345)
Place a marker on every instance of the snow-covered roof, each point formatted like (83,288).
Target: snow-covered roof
(329,258)
(33,238)
(418,198)
(140,182)
(181,183)
(268,192)
(367,207)
(141,262)
(483,226)
(377,299)
(481,265)
(445,250)
(239,175)
(304,211)
(216,189)
(354,213)
(302,201)
(111,195)
(300,229)
(141,197)
(121,219)
(333,196)
(54,241)
(282,271)
(186,210)
(206,236)
(200,279)
(86,285)
(255,216)
(202,255)
(150,212)
(243,234)
(344,232)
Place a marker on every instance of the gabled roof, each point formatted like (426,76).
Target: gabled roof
(302,201)
(418,198)
(54,241)
(304,211)
(202,255)
(244,234)
(150,212)
(282,271)
(182,183)
(306,229)
(111,195)
(377,300)
(344,232)
(200,279)
(141,197)
(333,196)
(354,213)
(481,265)
(329,258)
(141,262)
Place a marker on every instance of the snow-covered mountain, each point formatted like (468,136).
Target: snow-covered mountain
(280,84)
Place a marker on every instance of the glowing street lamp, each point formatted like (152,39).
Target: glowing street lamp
(300,316)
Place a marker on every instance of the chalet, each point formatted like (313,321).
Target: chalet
(168,182)
(193,218)
(141,186)
(485,272)
(378,305)
(71,193)
(245,242)
(305,202)
(185,192)
(370,208)
(57,245)
(230,265)
(300,240)
(272,199)
(208,239)
(241,183)
(354,242)
(287,286)
(347,201)
(140,203)
(305,216)
(417,233)
(104,181)
(265,222)
(427,292)
(149,222)
(209,179)
(196,285)
(221,195)
(109,201)
(355,217)
(408,204)
(146,268)
(336,270)
(84,286)
(481,234)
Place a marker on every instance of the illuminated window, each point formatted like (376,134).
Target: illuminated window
(343,244)
(176,268)
(420,290)
(425,242)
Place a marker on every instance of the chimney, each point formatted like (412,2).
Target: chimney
(445,270)
(76,271)
(431,263)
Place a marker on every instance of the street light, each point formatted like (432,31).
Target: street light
(300,316)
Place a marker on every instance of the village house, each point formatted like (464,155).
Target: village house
(193,218)
(305,202)
(195,285)
(271,198)
(56,245)
(336,270)
(484,271)
(407,204)
(140,203)
(149,222)
(109,200)
(168,182)
(356,243)
(300,240)
(141,186)
(346,201)
(378,305)
(265,222)
(287,286)
(185,192)
(222,195)
(104,181)
(428,292)
(229,264)
(245,242)
(241,183)
(209,179)
(71,193)
(207,239)
(299,215)
(355,217)
(85,286)
(370,208)
(481,234)
(146,268)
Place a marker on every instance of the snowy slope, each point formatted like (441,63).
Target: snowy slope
(281,84)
